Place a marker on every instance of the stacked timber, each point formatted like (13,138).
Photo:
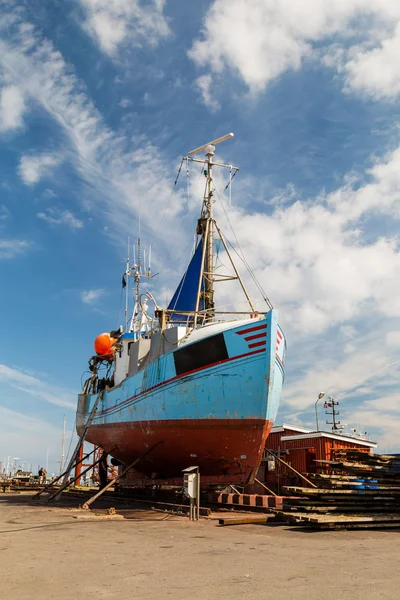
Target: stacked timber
(354,490)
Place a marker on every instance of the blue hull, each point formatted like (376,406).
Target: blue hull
(211,408)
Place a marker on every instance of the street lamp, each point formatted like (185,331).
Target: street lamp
(320,395)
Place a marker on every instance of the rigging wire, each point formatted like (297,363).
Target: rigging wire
(167,255)
(252,275)
(187,181)
(242,257)
(231,177)
(169,199)
(229,184)
(120,305)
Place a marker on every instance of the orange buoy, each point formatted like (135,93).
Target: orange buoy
(103,345)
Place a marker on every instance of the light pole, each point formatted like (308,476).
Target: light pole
(320,395)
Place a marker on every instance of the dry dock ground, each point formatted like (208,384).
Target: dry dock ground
(61,553)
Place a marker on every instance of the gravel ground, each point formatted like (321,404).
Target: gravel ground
(60,553)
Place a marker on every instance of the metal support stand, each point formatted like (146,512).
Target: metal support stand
(78,465)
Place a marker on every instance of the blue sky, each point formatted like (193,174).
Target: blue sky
(99,99)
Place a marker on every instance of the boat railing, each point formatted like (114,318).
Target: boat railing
(204,318)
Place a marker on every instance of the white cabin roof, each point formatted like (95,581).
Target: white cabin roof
(287,427)
(334,436)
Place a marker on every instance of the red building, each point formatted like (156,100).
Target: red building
(301,448)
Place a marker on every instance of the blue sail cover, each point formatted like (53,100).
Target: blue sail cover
(186,292)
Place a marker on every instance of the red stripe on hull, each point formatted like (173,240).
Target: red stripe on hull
(251,329)
(256,336)
(257,344)
(226,450)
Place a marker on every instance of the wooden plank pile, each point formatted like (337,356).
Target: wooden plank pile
(354,490)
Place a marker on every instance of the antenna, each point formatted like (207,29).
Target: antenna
(214,143)
(138,271)
(330,404)
(127,271)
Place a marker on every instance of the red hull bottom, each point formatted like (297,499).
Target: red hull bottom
(225,450)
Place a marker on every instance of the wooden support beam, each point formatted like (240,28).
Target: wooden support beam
(51,484)
(57,493)
(265,487)
(123,472)
(243,520)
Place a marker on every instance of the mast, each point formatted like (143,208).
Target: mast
(206,229)
(127,271)
(208,239)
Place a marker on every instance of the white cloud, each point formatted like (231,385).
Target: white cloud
(12,108)
(262,39)
(376,71)
(12,248)
(382,426)
(57,216)
(4,212)
(125,103)
(33,168)
(348,331)
(314,258)
(115,169)
(29,438)
(204,84)
(113,23)
(365,382)
(393,339)
(23,381)
(337,374)
(91,296)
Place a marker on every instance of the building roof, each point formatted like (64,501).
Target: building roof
(281,428)
(325,434)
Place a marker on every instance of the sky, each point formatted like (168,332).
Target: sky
(100,99)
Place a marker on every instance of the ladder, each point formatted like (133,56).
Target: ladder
(73,458)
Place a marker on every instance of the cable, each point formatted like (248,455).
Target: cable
(242,258)
(168,254)
(169,199)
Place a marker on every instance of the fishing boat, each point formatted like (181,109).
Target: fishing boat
(188,384)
